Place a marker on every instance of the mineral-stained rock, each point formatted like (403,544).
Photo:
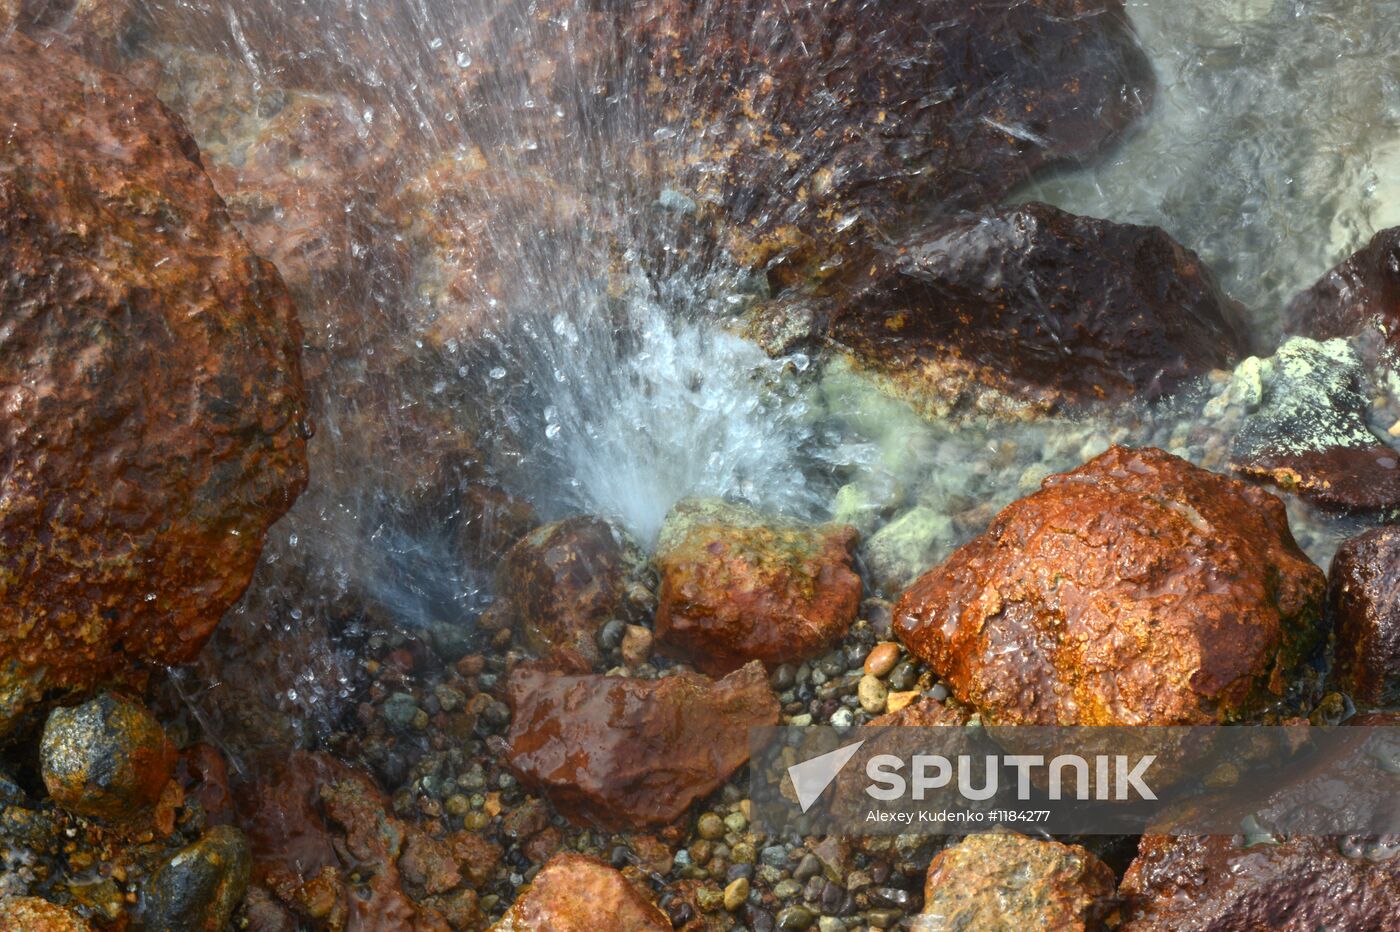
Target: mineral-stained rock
(153,422)
(1030,308)
(1362,293)
(199,888)
(738,586)
(1216,883)
(31,914)
(1306,430)
(824,122)
(575,893)
(560,583)
(96,29)
(624,753)
(1136,589)
(1363,596)
(1010,883)
(107,758)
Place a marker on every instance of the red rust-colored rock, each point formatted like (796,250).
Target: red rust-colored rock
(575,893)
(108,758)
(1010,883)
(624,753)
(1362,292)
(1137,589)
(737,586)
(153,421)
(1200,883)
(1030,307)
(1363,596)
(31,914)
(560,583)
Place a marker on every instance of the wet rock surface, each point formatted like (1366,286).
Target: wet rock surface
(737,586)
(1217,883)
(1137,589)
(154,418)
(108,758)
(559,584)
(1363,597)
(621,752)
(1361,294)
(574,893)
(1307,429)
(31,914)
(1011,883)
(201,886)
(1031,309)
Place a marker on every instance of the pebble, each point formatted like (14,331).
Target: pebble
(774,856)
(872,694)
(830,924)
(795,917)
(882,658)
(786,889)
(897,701)
(903,677)
(736,894)
(610,636)
(636,645)
(400,709)
(808,867)
(710,826)
(842,718)
(736,822)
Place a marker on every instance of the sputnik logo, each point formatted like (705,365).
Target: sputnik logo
(811,777)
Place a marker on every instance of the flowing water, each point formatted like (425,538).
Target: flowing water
(487,287)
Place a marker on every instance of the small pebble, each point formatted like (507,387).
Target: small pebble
(636,645)
(842,718)
(736,822)
(795,918)
(710,826)
(903,677)
(897,701)
(882,658)
(736,894)
(872,694)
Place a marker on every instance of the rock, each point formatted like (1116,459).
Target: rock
(1029,309)
(31,914)
(636,645)
(1009,883)
(881,659)
(1363,598)
(1307,432)
(559,584)
(736,893)
(1360,295)
(96,29)
(823,124)
(154,422)
(738,586)
(1137,589)
(902,550)
(575,893)
(108,758)
(199,888)
(622,753)
(872,694)
(1212,882)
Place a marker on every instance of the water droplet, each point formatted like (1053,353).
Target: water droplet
(498,373)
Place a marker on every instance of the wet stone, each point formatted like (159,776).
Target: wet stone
(1363,594)
(199,888)
(108,758)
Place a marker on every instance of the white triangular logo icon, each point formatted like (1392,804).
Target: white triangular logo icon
(811,777)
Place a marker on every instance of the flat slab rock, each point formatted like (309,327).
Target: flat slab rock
(1029,309)
(1137,589)
(153,418)
(624,753)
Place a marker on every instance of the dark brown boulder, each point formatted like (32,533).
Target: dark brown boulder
(1363,596)
(823,123)
(153,422)
(1217,884)
(1136,590)
(739,586)
(1362,292)
(576,893)
(1033,309)
(624,753)
(560,583)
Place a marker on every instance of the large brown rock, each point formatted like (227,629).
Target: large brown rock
(1137,589)
(153,423)
(810,126)
(1363,596)
(1031,308)
(1361,293)
(1011,883)
(560,583)
(622,753)
(575,893)
(739,586)
(1201,883)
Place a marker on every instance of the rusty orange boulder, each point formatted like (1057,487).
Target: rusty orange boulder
(739,586)
(1006,883)
(1137,589)
(153,420)
(576,893)
(623,753)
(1363,596)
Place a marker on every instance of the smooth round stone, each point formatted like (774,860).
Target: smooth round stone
(882,658)
(736,893)
(795,918)
(872,694)
(710,826)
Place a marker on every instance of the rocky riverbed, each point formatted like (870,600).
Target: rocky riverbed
(434,435)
